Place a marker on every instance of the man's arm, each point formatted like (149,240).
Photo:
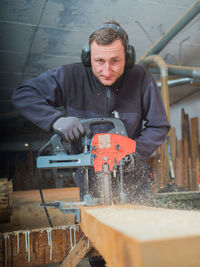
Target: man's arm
(156,124)
(37,99)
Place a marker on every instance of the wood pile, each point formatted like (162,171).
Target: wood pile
(38,246)
(6,200)
(185,156)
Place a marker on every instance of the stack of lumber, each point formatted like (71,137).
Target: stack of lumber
(185,156)
(38,246)
(6,200)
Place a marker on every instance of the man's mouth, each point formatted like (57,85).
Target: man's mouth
(106,78)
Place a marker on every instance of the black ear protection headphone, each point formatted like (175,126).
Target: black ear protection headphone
(130,51)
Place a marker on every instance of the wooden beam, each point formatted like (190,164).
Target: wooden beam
(133,236)
(194,124)
(186,149)
(78,253)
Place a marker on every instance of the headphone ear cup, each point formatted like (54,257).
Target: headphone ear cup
(85,56)
(130,56)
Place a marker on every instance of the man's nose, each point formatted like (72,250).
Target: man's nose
(107,69)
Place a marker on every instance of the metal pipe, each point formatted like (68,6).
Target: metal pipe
(192,72)
(160,63)
(178,82)
(172,31)
(185,71)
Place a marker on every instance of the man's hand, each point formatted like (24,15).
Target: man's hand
(70,127)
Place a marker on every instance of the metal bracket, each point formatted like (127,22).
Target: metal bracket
(72,210)
(71,207)
(67,210)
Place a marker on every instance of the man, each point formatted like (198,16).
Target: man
(106,80)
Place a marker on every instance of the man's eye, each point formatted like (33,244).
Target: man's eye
(115,60)
(99,60)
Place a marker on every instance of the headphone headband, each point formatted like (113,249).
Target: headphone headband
(111,26)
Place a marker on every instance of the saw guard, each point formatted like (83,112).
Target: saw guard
(110,149)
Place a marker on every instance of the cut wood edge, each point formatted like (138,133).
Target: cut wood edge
(120,250)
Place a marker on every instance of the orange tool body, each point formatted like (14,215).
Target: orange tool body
(110,148)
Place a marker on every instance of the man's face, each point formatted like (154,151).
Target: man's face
(107,61)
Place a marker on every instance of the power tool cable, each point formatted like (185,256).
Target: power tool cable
(39,184)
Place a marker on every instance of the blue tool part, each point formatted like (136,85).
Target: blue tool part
(65,161)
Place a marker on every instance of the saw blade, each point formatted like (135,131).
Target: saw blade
(104,185)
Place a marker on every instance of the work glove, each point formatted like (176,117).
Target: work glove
(70,127)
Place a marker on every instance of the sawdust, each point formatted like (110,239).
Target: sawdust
(136,184)
(147,224)
(136,181)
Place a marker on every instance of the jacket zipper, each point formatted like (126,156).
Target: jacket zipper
(108,100)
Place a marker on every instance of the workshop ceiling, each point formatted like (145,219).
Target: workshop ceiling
(36,35)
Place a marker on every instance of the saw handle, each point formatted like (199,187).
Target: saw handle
(56,144)
(118,126)
(57,139)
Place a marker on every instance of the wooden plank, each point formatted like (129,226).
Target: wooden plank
(166,164)
(173,143)
(185,149)
(78,253)
(38,246)
(179,165)
(194,124)
(178,172)
(158,168)
(49,194)
(173,151)
(160,172)
(133,236)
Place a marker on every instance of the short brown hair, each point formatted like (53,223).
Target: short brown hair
(107,35)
